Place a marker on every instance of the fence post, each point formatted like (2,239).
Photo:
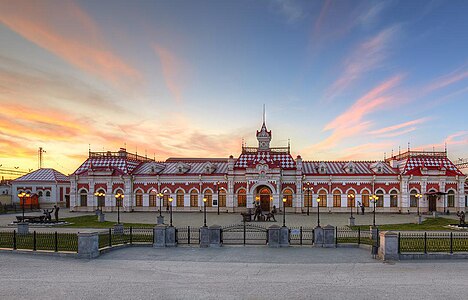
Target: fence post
(359,235)
(425,242)
(313,236)
(188,234)
(56,241)
(131,235)
(399,251)
(34,241)
(451,242)
(245,232)
(14,240)
(300,235)
(336,236)
(110,238)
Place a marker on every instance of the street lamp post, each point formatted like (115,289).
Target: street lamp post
(373,199)
(161,197)
(418,197)
(204,212)
(351,200)
(21,196)
(170,211)
(308,196)
(118,199)
(217,191)
(284,212)
(318,212)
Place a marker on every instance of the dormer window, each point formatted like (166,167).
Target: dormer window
(181,170)
(322,168)
(182,167)
(350,168)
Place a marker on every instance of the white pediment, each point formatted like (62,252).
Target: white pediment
(182,168)
(209,167)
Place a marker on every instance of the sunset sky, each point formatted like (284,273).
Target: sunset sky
(343,80)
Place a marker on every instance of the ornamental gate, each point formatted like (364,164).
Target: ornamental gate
(244,234)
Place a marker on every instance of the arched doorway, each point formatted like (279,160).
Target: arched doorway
(264,197)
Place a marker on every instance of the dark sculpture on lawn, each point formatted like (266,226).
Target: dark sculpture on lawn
(461,216)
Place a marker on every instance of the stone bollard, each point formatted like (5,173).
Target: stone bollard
(160,220)
(318,236)
(329,237)
(22,227)
(204,237)
(88,244)
(388,249)
(171,240)
(101,218)
(118,228)
(284,237)
(215,236)
(274,236)
(352,221)
(159,236)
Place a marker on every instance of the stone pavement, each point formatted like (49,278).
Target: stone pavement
(195,219)
(230,273)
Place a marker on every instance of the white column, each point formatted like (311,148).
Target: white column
(344,200)
(386,200)
(146,200)
(187,200)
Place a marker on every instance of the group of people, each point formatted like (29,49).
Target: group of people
(258,215)
(48,216)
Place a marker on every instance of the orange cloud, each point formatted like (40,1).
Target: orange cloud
(84,50)
(172,71)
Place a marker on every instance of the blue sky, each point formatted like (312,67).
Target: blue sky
(341,79)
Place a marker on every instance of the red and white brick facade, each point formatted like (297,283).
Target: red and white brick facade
(270,174)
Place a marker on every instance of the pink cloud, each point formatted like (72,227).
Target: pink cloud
(367,56)
(84,49)
(392,131)
(448,79)
(172,71)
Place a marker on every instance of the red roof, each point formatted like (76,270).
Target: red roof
(43,175)
(417,164)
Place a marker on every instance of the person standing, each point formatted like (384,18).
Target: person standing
(56,211)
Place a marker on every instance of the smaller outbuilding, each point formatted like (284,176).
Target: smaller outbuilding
(47,186)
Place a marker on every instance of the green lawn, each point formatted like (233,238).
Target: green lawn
(91,221)
(429,224)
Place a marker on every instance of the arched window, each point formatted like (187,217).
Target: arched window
(138,198)
(83,198)
(393,198)
(323,198)
(307,197)
(47,194)
(222,198)
(153,198)
(288,195)
(336,198)
(365,198)
(241,198)
(413,198)
(180,198)
(451,199)
(194,198)
(351,199)
(209,198)
(39,194)
(380,196)
(101,200)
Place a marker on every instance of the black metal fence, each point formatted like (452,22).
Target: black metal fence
(346,235)
(188,235)
(301,235)
(425,242)
(244,234)
(39,241)
(7,208)
(129,235)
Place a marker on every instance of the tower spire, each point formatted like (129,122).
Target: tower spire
(264,116)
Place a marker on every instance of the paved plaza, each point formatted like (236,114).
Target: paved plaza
(230,273)
(195,219)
